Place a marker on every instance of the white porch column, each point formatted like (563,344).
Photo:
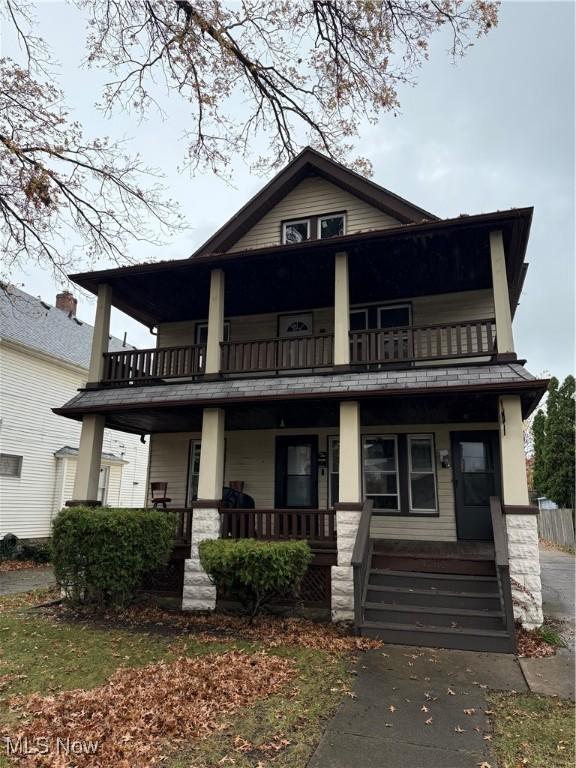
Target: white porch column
(215,322)
(199,593)
(341,310)
(88,462)
(504,337)
(348,510)
(101,335)
(90,449)
(521,528)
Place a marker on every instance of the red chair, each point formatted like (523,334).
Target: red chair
(159,494)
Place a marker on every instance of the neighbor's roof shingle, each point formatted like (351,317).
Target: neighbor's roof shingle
(35,324)
(282,387)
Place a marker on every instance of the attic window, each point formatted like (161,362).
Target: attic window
(331,226)
(296,231)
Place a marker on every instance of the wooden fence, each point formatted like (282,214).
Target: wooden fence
(557,526)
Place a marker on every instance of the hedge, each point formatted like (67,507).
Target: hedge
(253,571)
(101,555)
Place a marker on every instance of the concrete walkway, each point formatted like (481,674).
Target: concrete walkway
(13,582)
(558,589)
(417,708)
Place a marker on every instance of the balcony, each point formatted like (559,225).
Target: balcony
(407,345)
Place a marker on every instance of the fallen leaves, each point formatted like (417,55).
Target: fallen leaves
(138,711)
(530,644)
(6,566)
(270,631)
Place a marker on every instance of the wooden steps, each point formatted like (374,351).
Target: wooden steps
(434,595)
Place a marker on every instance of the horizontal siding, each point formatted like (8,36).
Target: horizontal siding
(250,457)
(426,310)
(313,197)
(29,388)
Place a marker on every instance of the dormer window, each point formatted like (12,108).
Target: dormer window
(333,225)
(296,231)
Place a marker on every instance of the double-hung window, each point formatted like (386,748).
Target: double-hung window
(380,465)
(421,474)
(193,471)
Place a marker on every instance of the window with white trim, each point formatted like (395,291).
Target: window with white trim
(332,225)
(421,473)
(103,482)
(193,470)
(10,465)
(296,231)
(380,469)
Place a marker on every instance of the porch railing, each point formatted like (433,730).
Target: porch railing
(313,525)
(361,558)
(141,365)
(502,567)
(277,354)
(474,338)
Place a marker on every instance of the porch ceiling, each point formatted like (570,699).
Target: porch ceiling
(416,395)
(394,263)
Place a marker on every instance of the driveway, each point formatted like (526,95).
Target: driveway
(417,707)
(558,589)
(13,582)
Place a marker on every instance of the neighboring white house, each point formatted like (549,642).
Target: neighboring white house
(44,358)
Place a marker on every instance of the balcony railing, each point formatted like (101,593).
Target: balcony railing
(407,344)
(295,352)
(448,341)
(150,365)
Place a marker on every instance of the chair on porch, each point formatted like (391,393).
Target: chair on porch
(159,493)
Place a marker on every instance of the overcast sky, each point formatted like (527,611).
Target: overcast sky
(495,131)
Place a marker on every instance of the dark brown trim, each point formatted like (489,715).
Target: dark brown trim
(349,506)
(206,504)
(361,394)
(516,509)
(307,163)
(505,357)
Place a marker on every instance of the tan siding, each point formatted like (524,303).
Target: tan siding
(313,197)
(250,457)
(452,307)
(29,388)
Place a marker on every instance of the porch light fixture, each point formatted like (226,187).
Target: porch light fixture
(322,461)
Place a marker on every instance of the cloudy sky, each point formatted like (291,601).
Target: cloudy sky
(493,132)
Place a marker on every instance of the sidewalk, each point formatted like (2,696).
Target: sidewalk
(417,708)
(13,582)
(558,590)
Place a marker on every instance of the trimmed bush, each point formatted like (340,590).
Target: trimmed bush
(101,555)
(38,551)
(253,571)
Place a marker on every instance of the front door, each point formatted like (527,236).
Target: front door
(476,462)
(296,485)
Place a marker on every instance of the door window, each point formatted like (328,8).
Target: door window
(477,469)
(299,475)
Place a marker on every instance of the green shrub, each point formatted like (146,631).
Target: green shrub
(38,551)
(101,555)
(253,571)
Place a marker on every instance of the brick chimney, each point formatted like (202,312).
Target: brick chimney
(67,303)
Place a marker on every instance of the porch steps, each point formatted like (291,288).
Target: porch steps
(454,601)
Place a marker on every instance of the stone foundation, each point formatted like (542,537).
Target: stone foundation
(524,559)
(199,593)
(342,574)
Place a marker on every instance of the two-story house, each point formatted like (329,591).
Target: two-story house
(44,356)
(346,359)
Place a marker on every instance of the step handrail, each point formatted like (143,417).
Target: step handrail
(503,566)
(360,557)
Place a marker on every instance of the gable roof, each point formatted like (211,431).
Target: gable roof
(36,324)
(309,163)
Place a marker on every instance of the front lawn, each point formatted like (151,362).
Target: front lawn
(532,731)
(213,693)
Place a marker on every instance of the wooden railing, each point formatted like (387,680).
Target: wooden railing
(277,354)
(502,567)
(475,338)
(361,557)
(141,365)
(313,525)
